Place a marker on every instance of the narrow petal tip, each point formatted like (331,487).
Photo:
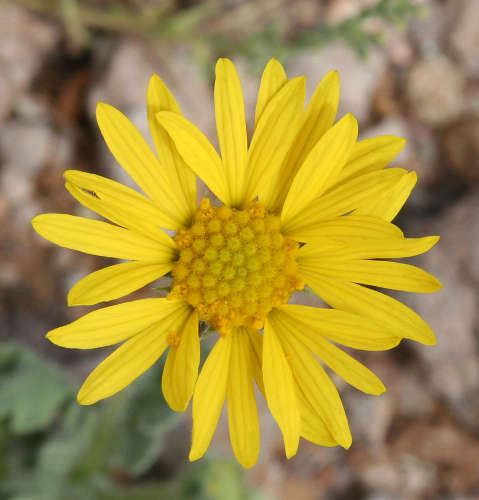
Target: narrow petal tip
(35,221)
(332,77)
(395,144)
(83,400)
(436,285)
(299,80)
(222,61)
(426,337)
(290,452)
(347,442)
(434,238)
(247,465)
(273,60)
(101,107)
(42,223)
(431,341)
(380,389)
(274,63)
(154,79)
(69,175)
(298,84)
(291,443)
(51,336)
(194,455)
(74,300)
(181,409)
(351,121)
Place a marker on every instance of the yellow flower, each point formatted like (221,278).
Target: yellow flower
(305,203)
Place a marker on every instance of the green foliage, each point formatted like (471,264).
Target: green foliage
(216,480)
(353,32)
(30,392)
(148,419)
(211,480)
(214,28)
(270,40)
(51,448)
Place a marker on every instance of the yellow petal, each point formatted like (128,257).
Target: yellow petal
(280,389)
(181,178)
(352,229)
(114,282)
(274,77)
(320,168)
(317,387)
(346,197)
(344,365)
(352,371)
(209,396)
(242,412)
(384,248)
(181,367)
(231,128)
(372,154)
(121,214)
(392,200)
(131,359)
(313,427)
(197,152)
(392,314)
(112,200)
(392,275)
(341,327)
(132,152)
(272,138)
(113,324)
(100,238)
(319,118)
(256,342)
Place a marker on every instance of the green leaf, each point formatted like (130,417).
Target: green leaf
(62,452)
(156,492)
(31,391)
(146,421)
(103,437)
(216,480)
(9,355)
(32,399)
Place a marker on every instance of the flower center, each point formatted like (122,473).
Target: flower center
(234,265)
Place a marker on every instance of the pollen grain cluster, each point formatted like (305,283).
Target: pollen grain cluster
(234,265)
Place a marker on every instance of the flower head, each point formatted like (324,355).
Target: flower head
(303,203)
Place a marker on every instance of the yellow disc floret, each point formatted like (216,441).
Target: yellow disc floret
(234,265)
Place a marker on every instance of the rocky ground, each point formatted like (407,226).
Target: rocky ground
(420,440)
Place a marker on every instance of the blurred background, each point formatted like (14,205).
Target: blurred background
(407,67)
